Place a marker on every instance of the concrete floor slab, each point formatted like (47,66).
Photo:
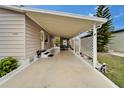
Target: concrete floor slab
(64,70)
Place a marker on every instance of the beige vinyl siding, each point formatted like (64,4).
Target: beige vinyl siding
(12,27)
(72,44)
(49,43)
(33,42)
(117,42)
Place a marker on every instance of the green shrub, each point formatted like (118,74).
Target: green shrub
(2,73)
(7,64)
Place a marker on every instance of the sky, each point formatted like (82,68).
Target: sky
(117,11)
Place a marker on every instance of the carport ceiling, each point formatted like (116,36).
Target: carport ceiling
(62,25)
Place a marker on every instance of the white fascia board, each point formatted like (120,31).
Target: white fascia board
(78,16)
(65,14)
(17,9)
(97,19)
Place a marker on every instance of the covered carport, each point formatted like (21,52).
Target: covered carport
(69,26)
(65,25)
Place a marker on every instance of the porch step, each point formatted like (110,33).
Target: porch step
(50,55)
(43,51)
(46,53)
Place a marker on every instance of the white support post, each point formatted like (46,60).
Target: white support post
(94,46)
(79,45)
(42,42)
(74,46)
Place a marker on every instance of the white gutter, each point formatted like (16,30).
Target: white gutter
(81,35)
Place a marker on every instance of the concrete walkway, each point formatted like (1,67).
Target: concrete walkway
(117,53)
(64,70)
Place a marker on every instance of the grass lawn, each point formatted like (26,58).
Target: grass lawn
(115,70)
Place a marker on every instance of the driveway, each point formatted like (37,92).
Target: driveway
(64,70)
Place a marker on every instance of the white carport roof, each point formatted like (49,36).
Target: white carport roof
(59,23)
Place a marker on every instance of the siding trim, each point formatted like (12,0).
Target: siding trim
(25,37)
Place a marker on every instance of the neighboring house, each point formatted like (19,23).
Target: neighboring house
(117,41)
(23,31)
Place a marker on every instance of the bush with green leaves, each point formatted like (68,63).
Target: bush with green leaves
(7,64)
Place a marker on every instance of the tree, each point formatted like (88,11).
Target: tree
(104,33)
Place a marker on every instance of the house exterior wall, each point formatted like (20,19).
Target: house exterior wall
(117,42)
(48,41)
(33,38)
(72,44)
(20,37)
(12,29)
